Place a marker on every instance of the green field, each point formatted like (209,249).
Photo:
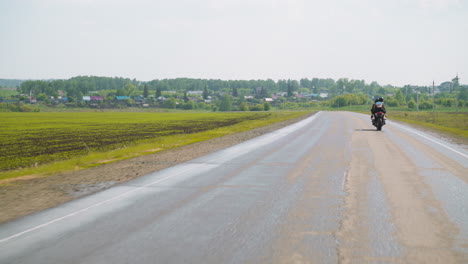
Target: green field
(7,92)
(28,140)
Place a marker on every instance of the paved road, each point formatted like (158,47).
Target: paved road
(329,189)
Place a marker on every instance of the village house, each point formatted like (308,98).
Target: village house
(195,93)
(93,99)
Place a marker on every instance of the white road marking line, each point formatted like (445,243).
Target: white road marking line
(92,206)
(430,139)
(291,128)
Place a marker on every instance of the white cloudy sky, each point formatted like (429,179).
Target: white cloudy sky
(389,41)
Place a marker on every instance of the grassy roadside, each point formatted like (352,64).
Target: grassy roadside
(146,147)
(455,124)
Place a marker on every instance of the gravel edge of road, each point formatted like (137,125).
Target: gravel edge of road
(24,197)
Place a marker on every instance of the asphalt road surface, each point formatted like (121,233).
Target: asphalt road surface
(329,189)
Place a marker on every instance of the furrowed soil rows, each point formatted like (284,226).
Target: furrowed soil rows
(30,139)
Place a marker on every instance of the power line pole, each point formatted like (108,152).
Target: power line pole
(417,100)
(433,95)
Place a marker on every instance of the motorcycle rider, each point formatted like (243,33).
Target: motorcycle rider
(378,106)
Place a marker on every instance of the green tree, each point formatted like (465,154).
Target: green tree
(342,85)
(244,106)
(381,92)
(315,90)
(456,83)
(425,105)
(129,89)
(120,92)
(263,93)
(145,91)
(203,105)
(462,103)
(205,93)
(392,102)
(158,92)
(171,103)
(74,93)
(189,105)
(226,103)
(129,102)
(41,97)
(235,93)
(400,98)
(266,106)
(463,93)
(290,89)
(304,90)
(305,83)
(340,101)
(257,107)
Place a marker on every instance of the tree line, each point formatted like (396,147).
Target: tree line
(83,85)
(341,92)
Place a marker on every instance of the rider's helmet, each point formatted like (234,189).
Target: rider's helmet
(380,99)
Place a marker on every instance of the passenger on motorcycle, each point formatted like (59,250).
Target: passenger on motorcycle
(378,106)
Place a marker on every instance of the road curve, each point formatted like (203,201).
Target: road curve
(328,189)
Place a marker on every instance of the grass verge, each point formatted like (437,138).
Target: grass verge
(450,123)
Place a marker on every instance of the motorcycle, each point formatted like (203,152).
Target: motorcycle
(379,120)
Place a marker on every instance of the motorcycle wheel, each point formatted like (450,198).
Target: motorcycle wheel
(379,126)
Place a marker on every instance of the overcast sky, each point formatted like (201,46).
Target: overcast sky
(389,41)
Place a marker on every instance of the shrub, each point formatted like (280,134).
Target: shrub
(203,105)
(449,102)
(289,105)
(170,103)
(226,103)
(425,105)
(189,105)
(244,107)
(462,103)
(7,107)
(412,104)
(392,102)
(257,107)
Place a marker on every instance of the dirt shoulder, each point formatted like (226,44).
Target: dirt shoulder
(29,195)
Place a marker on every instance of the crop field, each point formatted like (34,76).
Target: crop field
(32,139)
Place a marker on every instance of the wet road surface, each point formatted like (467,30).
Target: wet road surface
(329,189)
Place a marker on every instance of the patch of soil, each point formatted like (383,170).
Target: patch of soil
(33,194)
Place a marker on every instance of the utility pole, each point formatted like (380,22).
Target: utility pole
(455,84)
(417,100)
(433,95)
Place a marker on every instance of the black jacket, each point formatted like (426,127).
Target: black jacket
(376,109)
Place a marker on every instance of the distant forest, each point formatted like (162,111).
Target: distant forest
(10,83)
(83,85)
